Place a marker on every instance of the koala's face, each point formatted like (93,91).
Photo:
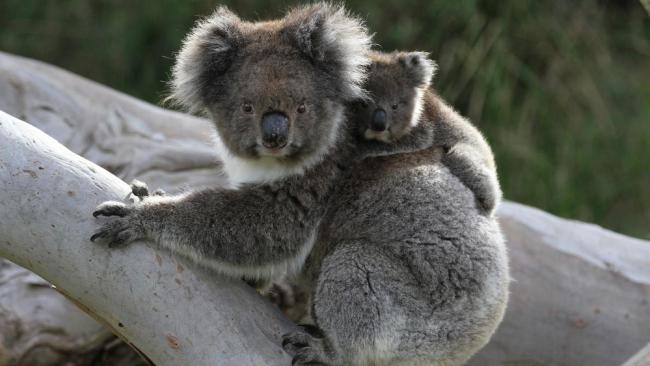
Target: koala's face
(396,84)
(274,89)
(278,106)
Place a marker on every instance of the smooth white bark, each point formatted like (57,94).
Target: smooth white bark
(641,358)
(171,310)
(580,296)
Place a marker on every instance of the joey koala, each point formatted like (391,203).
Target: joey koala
(402,267)
(404,114)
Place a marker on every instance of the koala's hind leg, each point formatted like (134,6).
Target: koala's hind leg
(349,309)
(373,308)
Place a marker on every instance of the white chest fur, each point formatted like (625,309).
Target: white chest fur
(260,170)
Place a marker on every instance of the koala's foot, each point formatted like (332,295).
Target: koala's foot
(281,294)
(307,349)
(122,229)
(312,330)
(289,297)
(260,285)
(141,190)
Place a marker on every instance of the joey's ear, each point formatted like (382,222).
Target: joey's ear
(419,67)
(206,54)
(334,40)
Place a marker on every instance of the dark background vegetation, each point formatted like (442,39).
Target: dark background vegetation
(561,88)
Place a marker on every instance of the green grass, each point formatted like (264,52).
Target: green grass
(561,89)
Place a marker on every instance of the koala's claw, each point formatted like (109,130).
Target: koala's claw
(281,295)
(312,330)
(306,356)
(116,233)
(141,190)
(305,349)
(121,229)
(114,236)
(112,208)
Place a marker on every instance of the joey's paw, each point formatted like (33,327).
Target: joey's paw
(120,230)
(486,204)
(305,349)
(487,198)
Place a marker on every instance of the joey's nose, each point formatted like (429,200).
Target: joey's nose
(275,130)
(378,122)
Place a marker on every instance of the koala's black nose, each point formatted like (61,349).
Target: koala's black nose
(378,122)
(275,130)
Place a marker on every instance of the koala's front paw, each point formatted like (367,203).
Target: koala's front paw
(122,229)
(305,349)
(141,190)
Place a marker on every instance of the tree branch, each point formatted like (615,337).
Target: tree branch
(581,293)
(174,312)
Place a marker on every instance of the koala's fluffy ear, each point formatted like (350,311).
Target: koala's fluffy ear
(207,52)
(335,40)
(419,67)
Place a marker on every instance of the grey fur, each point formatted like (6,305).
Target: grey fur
(317,57)
(403,267)
(401,78)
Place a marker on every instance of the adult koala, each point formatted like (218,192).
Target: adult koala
(404,269)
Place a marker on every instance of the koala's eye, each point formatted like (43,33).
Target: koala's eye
(301,108)
(247,108)
(394,106)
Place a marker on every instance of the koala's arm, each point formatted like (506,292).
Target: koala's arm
(420,137)
(468,156)
(255,231)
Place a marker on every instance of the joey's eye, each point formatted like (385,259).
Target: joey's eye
(394,106)
(247,108)
(301,108)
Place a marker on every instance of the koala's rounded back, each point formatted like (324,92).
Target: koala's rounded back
(435,266)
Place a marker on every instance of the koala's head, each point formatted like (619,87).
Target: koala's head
(396,84)
(275,90)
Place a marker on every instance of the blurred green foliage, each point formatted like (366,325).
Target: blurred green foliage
(560,88)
